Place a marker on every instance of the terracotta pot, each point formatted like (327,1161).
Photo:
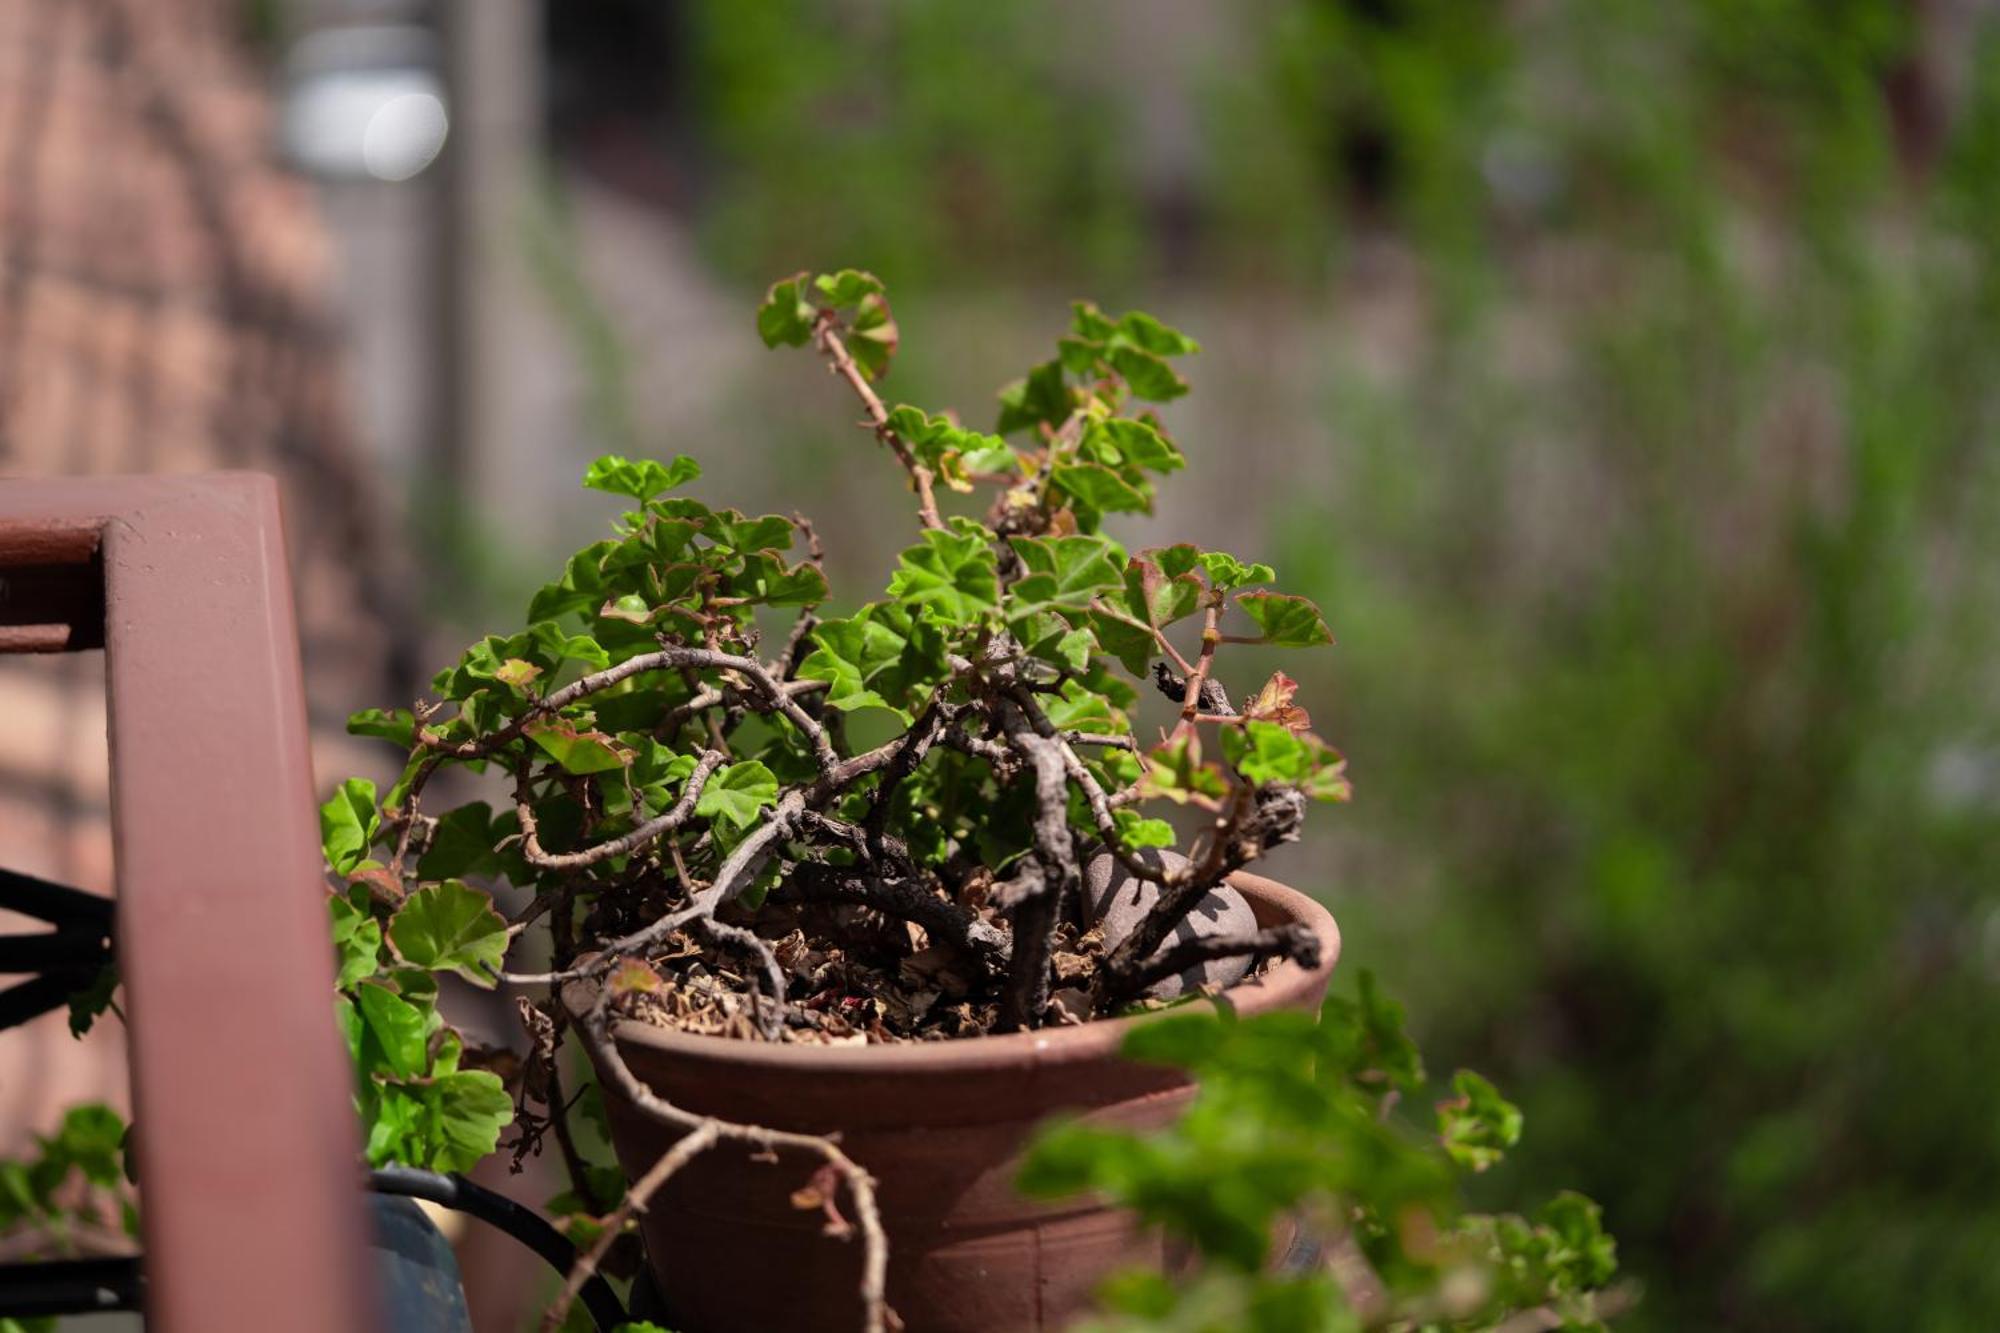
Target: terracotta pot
(940,1126)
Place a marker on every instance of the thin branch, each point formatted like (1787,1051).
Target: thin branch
(692,1145)
(595,1028)
(878,417)
(943,920)
(1294,940)
(1191,699)
(771,1017)
(669,658)
(667,822)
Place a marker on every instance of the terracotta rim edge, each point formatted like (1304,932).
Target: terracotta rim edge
(1284,985)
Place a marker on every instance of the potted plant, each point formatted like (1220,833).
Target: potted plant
(841,907)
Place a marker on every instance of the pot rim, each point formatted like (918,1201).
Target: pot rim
(1283,986)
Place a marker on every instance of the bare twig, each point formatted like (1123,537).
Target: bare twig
(1295,941)
(771,1017)
(656,827)
(703,1137)
(670,657)
(595,1028)
(829,342)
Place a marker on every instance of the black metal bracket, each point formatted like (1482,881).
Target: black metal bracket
(59,962)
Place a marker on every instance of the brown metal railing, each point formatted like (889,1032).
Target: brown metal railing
(247,1146)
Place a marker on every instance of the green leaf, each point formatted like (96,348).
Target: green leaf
(1089,323)
(1157,597)
(1177,771)
(737,793)
(461,844)
(1135,442)
(786,315)
(449,927)
(1287,621)
(1100,488)
(1270,752)
(91,1141)
(469,1108)
(348,824)
(357,941)
(1133,645)
(578,752)
(1147,375)
(771,532)
(873,336)
(1042,397)
(951,577)
(642,479)
(1065,572)
(849,656)
(1135,830)
(86,1006)
(397,725)
(1148,334)
(1479,1125)
(1226,572)
(1583,1256)
(394,1031)
(847,287)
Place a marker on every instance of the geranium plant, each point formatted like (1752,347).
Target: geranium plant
(729,813)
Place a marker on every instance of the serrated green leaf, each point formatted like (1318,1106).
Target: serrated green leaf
(787,314)
(347,825)
(641,479)
(578,752)
(357,941)
(738,793)
(1286,621)
(951,577)
(1042,397)
(1136,830)
(1177,771)
(1137,443)
(1068,572)
(397,724)
(850,654)
(1477,1126)
(468,1109)
(1226,572)
(1150,335)
(873,336)
(1147,375)
(450,927)
(1100,488)
(394,1032)
(1156,597)
(847,287)
(461,844)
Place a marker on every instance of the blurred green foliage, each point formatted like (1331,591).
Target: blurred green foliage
(1661,556)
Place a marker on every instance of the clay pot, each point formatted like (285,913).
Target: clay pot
(941,1126)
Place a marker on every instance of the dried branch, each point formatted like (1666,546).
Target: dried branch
(829,342)
(595,1028)
(1037,913)
(664,823)
(1295,941)
(696,1142)
(771,1017)
(943,920)
(670,657)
